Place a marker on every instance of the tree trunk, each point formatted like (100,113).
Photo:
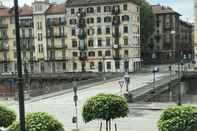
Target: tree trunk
(101,126)
(106,125)
(109,125)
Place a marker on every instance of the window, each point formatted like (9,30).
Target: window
(108,53)
(100,53)
(125,18)
(99,43)
(39,25)
(64,66)
(74,66)
(108,41)
(108,65)
(73,21)
(90,31)
(98,9)
(90,10)
(72,11)
(98,19)
(107,30)
(30,33)
(74,43)
(73,32)
(90,20)
(91,54)
(39,36)
(107,8)
(99,31)
(125,29)
(107,19)
(75,54)
(90,43)
(126,41)
(126,53)
(117,64)
(125,7)
(23,33)
(92,66)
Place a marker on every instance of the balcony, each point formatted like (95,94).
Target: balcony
(56,23)
(4,37)
(116,34)
(3,25)
(116,46)
(115,11)
(26,24)
(83,56)
(82,35)
(57,47)
(116,21)
(4,48)
(117,57)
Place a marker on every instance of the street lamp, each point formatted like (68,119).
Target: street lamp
(154,70)
(19,68)
(75,98)
(127,81)
(104,77)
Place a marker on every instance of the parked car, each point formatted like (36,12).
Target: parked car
(7,73)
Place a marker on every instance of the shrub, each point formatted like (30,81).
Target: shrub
(179,118)
(7,116)
(106,107)
(38,121)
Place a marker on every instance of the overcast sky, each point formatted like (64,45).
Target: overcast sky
(184,7)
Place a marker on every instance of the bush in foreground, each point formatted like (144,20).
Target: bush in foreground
(7,116)
(179,118)
(38,121)
(105,107)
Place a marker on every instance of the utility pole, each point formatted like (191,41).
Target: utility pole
(19,69)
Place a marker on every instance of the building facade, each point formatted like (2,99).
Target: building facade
(195,31)
(75,36)
(170,37)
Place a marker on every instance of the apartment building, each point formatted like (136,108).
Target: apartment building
(75,36)
(104,35)
(170,37)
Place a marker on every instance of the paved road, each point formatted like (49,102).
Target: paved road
(62,107)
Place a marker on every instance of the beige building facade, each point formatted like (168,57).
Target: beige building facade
(55,38)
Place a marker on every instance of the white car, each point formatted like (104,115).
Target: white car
(7,73)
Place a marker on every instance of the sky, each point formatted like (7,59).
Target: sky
(184,7)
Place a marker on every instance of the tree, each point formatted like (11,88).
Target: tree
(106,107)
(39,121)
(179,118)
(147,23)
(7,116)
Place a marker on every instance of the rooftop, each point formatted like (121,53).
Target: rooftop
(71,3)
(160,9)
(56,9)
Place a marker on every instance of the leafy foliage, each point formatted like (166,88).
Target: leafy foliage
(147,21)
(7,116)
(38,121)
(179,118)
(105,107)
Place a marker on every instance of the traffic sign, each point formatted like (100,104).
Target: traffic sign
(121,83)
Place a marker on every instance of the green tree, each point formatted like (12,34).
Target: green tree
(105,107)
(7,116)
(39,121)
(147,23)
(179,118)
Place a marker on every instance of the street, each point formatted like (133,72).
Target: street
(62,107)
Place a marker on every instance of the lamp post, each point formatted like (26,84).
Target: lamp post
(75,98)
(19,69)
(104,77)
(154,70)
